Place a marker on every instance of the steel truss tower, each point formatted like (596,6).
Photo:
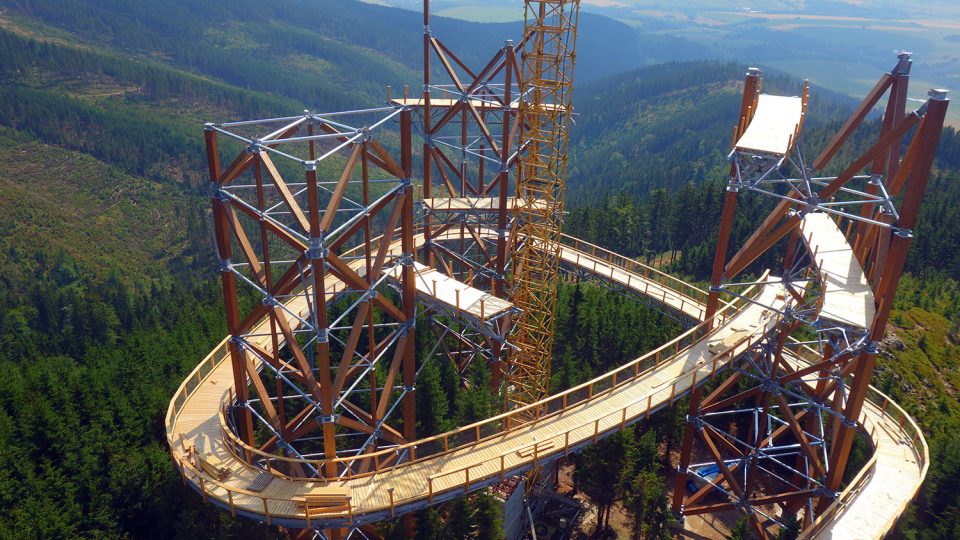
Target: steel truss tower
(328,345)
(780,429)
(469,123)
(315,217)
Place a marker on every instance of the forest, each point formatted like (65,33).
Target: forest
(103,311)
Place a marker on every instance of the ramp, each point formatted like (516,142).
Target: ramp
(774,126)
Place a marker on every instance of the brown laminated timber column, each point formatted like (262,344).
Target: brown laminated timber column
(229,284)
(503,177)
(408,281)
(927,137)
(751,86)
(428,257)
(321,359)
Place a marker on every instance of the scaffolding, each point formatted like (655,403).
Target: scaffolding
(550,33)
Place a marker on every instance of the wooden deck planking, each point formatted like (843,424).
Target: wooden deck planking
(848,299)
(681,303)
(457,296)
(470,204)
(442,102)
(199,422)
(774,125)
(890,488)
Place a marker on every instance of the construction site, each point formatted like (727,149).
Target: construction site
(429,228)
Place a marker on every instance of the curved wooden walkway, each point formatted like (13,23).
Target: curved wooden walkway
(574,419)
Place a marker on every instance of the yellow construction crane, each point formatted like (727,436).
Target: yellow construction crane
(546,85)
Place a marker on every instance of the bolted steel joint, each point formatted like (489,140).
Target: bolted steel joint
(903,232)
(317,249)
(217,192)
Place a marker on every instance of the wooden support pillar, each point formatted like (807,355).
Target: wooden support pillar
(503,210)
(229,285)
(316,255)
(751,84)
(428,256)
(929,137)
(689,433)
(409,280)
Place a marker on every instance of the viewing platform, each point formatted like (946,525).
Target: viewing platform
(774,127)
(470,204)
(848,298)
(445,103)
(453,296)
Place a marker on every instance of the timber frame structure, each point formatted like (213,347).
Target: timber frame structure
(779,432)
(304,417)
(311,351)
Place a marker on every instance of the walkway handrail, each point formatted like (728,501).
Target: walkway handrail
(207,487)
(728,355)
(491,427)
(679,286)
(583,394)
(192,382)
(888,408)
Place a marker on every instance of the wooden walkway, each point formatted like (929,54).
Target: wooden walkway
(870,506)
(579,416)
(849,298)
(774,127)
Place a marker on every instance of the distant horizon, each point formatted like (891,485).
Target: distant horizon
(836,45)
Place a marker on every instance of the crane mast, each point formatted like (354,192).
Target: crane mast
(546,84)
